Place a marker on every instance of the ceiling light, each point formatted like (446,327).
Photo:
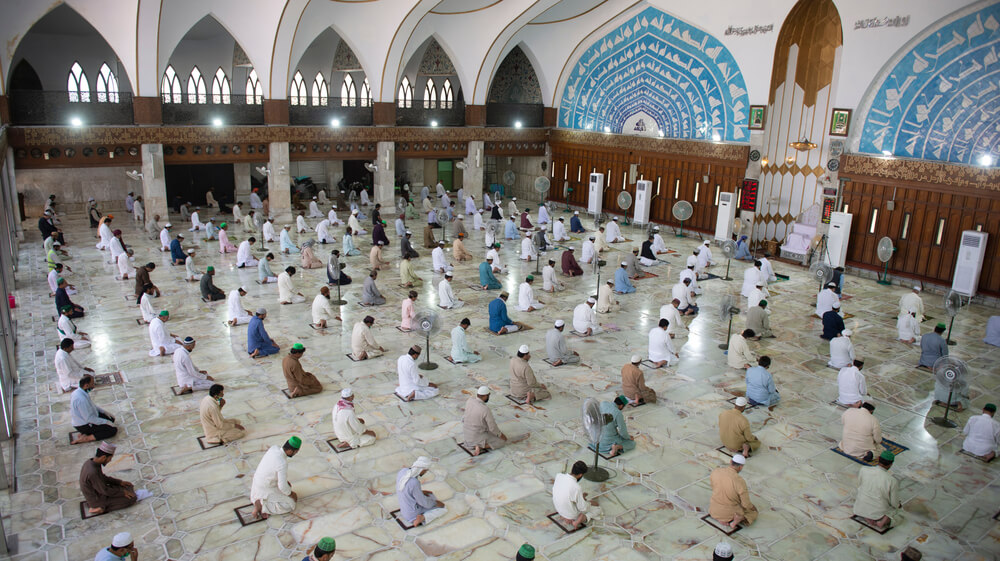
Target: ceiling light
(986,160)
(803,145)
(517,124)
(607,129)
(661,133)
(716,137)
(216,122)
(335,123)
(434,123)
(76,122)
(887,153)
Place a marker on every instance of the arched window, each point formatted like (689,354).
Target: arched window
(447,96)
(320,92)
(405,94)
(430,95)
(366,94)
(77,84)
(298,93)
(197,92)
(254,91)
(220,87)
(348,93)
(170,86)
(107,85)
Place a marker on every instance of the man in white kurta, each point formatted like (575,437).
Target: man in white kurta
(685,296)
(322,310)
(190,271)
(606,301)
(767,270)
(526,301)
(438,259)
(841,350)
(756,295)
(300,224)
(750,278)
(738,354)
(105,232)
(286,288)
(851,386)
(497,264)
(661,348)
(549,281)
(244,255)
(412,385)
(67,368)
(332,216)
(323,232)
(66,328)
(446,296)
(982,434)
(146,306)
(460,351)
(588,251)
(528,252)
(270,491)
(689,273)
(236,314)
(165,237)
(355,224)
(189,378)
(612,233)
(350,429)
(671,313)
(658,244)
(543,215)
(559,231)
(705,256)
(826,298)
(162,341)
(585,319)
(911,302)
(568,497)
(267,230)
(196,221)
(314,211)
(907,327)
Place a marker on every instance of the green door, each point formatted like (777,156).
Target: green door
(445,173)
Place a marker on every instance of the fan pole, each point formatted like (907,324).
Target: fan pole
(727,277)
(729,333)
(944,421)
(262,248)
(428,365)
(948,337)
(885,275)
(680,234)
(596,473)
(339,301)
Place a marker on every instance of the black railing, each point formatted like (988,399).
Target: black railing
(305,115)
(508,114)
(236,112)
(421,117)
(34,107)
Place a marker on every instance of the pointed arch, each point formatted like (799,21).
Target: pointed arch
(170,86)
(404,97)
(220,87)
(447,95)
(254,89)
(203,40)
(196,90)
(320,92)
(297,96)
(77,84)
(348,93)
(430,95)
(366,94)
(107,85)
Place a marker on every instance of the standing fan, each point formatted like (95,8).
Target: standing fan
(593,423)
(951,372)
(884,252)
(429,324)
(682,211)
(726,311)
(952,303)
(371,166)
(821,272)
(566,192)
(729,249)
(542,186)
(401,204)
(352,195)
(598,263)
(624,202)
(508,179)
(493,227)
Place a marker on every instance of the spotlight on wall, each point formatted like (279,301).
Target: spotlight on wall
(887,153)
(517,124)
(335,123)
(660,133)
(589,126)
(216,122)
(716,137)
(76,122)
(607,129)
(986,160)
(434,123)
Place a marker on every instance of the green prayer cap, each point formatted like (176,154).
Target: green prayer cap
(295,442)
(763,302)
(223,225)
(496,244)
(328,545)
(210,269)
(164,313)
(941,325)
(990,407)
(888,456)
(530,277)
(298,347)
(526,552)
(68,307)
(621,400)
(60,280)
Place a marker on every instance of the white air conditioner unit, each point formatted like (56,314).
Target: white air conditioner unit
(595,199)
(643,198)
(724,219)
(969,264)
(837,238)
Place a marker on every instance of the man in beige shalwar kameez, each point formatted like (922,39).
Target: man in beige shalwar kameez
(523,384)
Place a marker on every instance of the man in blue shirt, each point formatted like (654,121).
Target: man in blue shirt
(92,422)
(177,256)
(575,225)
(416,506)
(760,384)
(486,277)
(259,343)
(623,285)
(500,322)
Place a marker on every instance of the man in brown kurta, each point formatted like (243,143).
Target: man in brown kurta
(300,383)
(142,279)
(734,429)
(523,384)
(634,383)
(218,429)
(569,265)
(458,251)
(730,503)
(429,241)
(102,493)
(479,428)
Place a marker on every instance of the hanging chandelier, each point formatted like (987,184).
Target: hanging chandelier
(803,145)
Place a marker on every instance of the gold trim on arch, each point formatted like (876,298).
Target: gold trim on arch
(274,45)
(291,46)
(497,60)
(603,2)
(388,52)
(465,12)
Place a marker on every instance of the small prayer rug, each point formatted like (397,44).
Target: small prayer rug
(516,400)
(733,401)
(645,275)
(288,395)
(865,523)
(401,330)
(549,362)
(176,390)
(245,515)
(578,334)
(72,436)
(109,379)
(351,356)
(469,452)
(204,446)
(399,397)
(138,321)
(523,328)
(606,457)
(980,458)
(724,450)
(889,445)
(724,528)
(332,443)
(557,520)
(395,516)
(710,277)
(85,511)
(650,364)
(838,404)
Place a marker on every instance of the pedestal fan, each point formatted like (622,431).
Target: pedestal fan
(884,252)
(624,202)
(729,249)
(682,210)
(727,310)
(821,272)
(952,304)
(428,323)
(593,423)
(951,372)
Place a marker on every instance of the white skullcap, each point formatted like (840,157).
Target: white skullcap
(244,288)
(190,251)
(287,226)
(448,274)
(692,260)
(615,219)
(121,540)
(591,301)
(314,198)
(831,285)
(460,217)
(836,305)
(576,212)
(708,242)
(423,462)
(523,349)
(917,288)
(847,332)
(697,250)
(167,225)
(483,390)
(346,392)
(636,359)
(572,248)
(559,323)
(513,198)
(355,211)
(90,199)
(740,402)
(409,233)
(624,263)
(739,459)
(723,550)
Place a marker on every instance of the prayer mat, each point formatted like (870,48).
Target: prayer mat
(846,296)
(285,391)
(109,379)
(318,328)
(781,277)
(724,450)
(351,356)
(469,452)
(980,458)
(244,515)
(85,514)
(205,446)
(578,334)
(549,362)
(477,287)
(73,435)
(627,240)
(650,364)
(395,516)
(448,358)
(724,528)
(606,457)
(927,319)
(889,445)
(838,404)
(399,397)
(523,328)
(333,446)
(865,523)
(557,520)
(138,321)
(401,330)
(733,401)
(848,316)
(709,276)
(645,275)
(516,400)
(176,390)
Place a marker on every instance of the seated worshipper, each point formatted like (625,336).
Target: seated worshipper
(354,222)
(750,277)
(541,240)
(525,221)
(370,295)
(93,213)
(932,347)
(236,314)
(672,314)
(191,273)
(429,241)
(347,243)
(210,229)
(528,251)
(92,422)
(982,434)
(416,506)
(432,219)
(907,328)
(659,247)
(412,384)
(439,262)
(176,251)
(559,230)
(406,247)
(218,429)
(833,322)
(378,234)
(601,243)
(500,322)
(408,311)
(67,329)
(606,301)
(510,230)
(270,491)
(851,386)
(189,378)
(286,288)
(63,302)
(142,278)
(585,319)
(309,260)
(757,294)
(841,350)
(862,436)
(523,384)
(375,257)
(225,246)
(196,223)
(734,429)
(458,250)
(911,302)
(104,494)
(647,256)
(826,298)
(335,270)
(614,435)
(331,215)
(661,348)
(479,429)
(526,296)
(477,219)
(730,503)
(104,230)
(632,263)
(689,274)
(162,341)
(300,383)
(259,343)
(446,296)
(739,355)
(459,228)
(165,237)
(53,279)
(589,251)
(494,252)
(244,255)
(760,384)
(570,267)
(348,427)
(878,492)
(634,386)
(300,222)
(613,234)
(267,230)
(743,250)
(363,343)
(209,291)
(555,346)
(68,369)
(323,232)
(683,293)
(759,320)
(569,499)
(575,225)
(487,279)
(460,351)
(322,309)
(705,257)
(122,544)
(623,285)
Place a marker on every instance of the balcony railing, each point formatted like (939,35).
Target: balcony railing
(34,107)
(421,117)
(306,115)
(507,114)
(236,112)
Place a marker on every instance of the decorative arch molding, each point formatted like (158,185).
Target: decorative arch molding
(515,80)
(938,98)
(655,59)
(417,63)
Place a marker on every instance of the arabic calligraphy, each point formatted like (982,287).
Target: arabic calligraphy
(873,23)
(749,30)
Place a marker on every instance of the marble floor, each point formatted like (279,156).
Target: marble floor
(652,505)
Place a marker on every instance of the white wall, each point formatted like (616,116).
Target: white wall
(72,187)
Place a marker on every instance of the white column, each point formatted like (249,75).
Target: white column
(278,183)
(472,176)
(154,183)
(385,187)
(241,178)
